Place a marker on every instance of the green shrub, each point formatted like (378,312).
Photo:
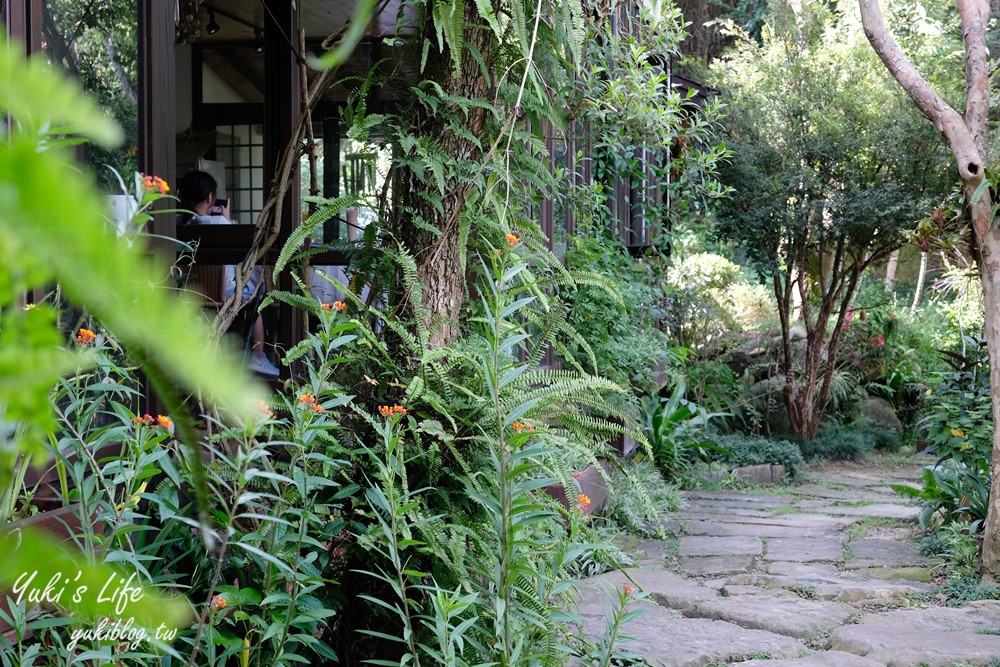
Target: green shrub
(749,450)
(849,442)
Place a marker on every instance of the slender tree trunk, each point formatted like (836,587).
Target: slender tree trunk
(430,229)
(967,140)
(921,277)
(890,271)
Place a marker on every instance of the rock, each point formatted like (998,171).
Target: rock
(841,588)
(793,617)
(805,549)
(664,588)
(824,659)
(797,333)
(899,647)
(757,474)
(972,618)
(880,413)
(664,639)
(734,591)
(720,529)
(715,565)
(885,553)
(698,545)
(875,510)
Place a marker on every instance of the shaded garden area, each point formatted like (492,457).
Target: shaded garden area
(535,275)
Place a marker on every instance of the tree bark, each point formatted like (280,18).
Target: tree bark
(921,277)
(967,140)
(890,271)
(431,232)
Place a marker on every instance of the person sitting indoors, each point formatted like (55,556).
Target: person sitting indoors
(196,191)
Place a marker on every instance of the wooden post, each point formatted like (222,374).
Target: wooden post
(282,101)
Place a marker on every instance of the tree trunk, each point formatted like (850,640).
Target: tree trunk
(921,277)
(967,140)
(430,231)
(890,271)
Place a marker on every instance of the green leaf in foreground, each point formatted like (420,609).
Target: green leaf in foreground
(33,562)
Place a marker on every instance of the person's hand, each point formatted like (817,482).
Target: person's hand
(225,210)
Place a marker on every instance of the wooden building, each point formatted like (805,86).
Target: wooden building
(216,84)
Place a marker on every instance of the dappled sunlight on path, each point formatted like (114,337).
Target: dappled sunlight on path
(826,572)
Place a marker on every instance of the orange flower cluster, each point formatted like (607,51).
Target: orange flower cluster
(149,420)
(266,409)
(512,239)
(521,426)
(338,305)
(392,410)
(85,337)
(629,591)
(310,402)
(583,502)
(218,602)
(155,183)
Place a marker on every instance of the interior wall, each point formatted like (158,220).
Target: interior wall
(215,90)
(185,96)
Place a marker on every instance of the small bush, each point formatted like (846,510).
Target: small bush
(751,450)
(849,442)
(884,439)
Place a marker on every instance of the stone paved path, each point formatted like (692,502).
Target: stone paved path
(805,576)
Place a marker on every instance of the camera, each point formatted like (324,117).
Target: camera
(218,206)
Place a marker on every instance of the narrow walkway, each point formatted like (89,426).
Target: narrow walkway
(817,574)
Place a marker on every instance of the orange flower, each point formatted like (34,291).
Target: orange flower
(521,426)
(340,305)
(155,183)
(85,337)
(164,421)
(583,502)
(218,602)
(145,420)
(266,409)
(327,307)
(310,402)
(392,410)
(512,239)
(629,591)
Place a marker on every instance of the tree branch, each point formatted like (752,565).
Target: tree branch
(948,122)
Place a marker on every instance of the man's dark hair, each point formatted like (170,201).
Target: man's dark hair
(194,188)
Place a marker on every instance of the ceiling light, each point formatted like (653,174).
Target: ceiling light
(212,26)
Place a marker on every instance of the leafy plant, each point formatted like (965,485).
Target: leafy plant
(748,450)
(672,425)
(954,491)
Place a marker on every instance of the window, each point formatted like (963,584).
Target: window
(241,149)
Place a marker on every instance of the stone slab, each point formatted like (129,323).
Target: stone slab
(876,510)
(899,647)
(699,545)
(849,495)
(824,659)
(736,590)
(885,553)
(793,617)
(736,498)
(972,618)
(794,569)
(918,574)
(804,521)
(711,508)
(714,566)
(726,529)
(805,549)
(665,588)
(844,588)
(664,640)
